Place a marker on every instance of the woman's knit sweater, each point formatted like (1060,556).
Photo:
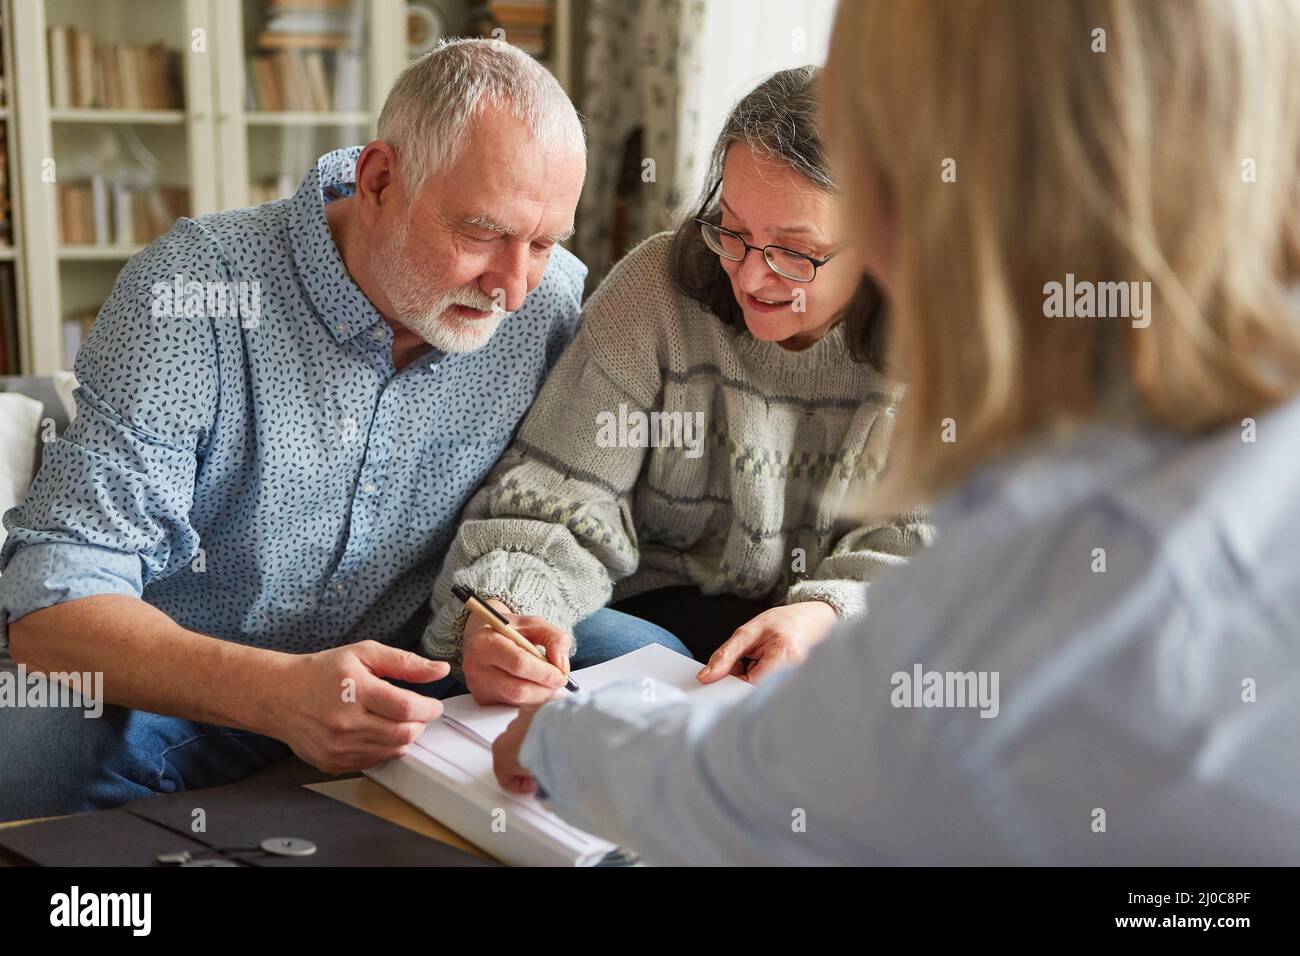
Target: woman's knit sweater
(578,509)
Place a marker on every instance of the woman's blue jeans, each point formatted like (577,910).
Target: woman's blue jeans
(57,760)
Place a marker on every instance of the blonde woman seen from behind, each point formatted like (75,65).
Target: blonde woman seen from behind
(1098,661)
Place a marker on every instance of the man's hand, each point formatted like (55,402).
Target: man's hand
(778,637)
(505,753)
(340,715)
(499,671)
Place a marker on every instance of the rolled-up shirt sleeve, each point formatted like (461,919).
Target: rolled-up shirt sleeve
(108,512)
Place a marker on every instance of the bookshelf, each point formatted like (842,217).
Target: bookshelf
(124,114)
(116,140)
(310,78)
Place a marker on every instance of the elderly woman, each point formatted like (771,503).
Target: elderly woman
(690,454)
(1116,561)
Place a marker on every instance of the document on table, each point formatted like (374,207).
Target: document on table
(646,667)
(447,772)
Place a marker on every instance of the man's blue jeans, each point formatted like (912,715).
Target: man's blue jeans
(55,760)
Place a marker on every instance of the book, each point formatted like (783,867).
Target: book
(520,12)
(132,95)
(261,83)
(99,210)
(296,82)
(448,774)
(75,214)
(84,72)
(319,85)
(89,75)
(312,53)
(112,76)
(348,81)
(122,213)
(60,75)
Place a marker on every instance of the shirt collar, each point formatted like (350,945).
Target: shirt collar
(338,301)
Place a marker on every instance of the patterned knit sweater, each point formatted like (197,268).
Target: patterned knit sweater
(579,511)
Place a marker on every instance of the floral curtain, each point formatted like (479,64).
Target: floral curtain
(642,107)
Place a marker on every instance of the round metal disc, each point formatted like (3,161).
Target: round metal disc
(288,846)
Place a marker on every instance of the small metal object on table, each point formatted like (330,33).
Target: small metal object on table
(229,855)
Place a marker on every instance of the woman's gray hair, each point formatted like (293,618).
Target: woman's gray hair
(428,111)
(778,121)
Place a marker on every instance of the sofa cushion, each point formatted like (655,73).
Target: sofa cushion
(20,429)
(53,392)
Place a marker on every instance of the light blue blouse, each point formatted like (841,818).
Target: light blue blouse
(1137,596)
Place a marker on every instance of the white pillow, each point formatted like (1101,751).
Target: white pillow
(20,423)
(65,384)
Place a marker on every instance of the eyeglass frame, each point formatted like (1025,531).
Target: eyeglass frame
(816,263)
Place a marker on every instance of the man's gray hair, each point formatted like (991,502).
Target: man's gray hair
(429,109)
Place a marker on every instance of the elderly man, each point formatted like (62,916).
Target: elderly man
(241,528)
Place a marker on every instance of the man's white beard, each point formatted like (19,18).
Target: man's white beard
(428,314)
(444,329)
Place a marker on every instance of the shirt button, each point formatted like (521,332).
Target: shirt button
(338,587)
(340,328)
(377,334)
(368,487)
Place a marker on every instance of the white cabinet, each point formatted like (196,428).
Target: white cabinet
(122,114)
(106,149)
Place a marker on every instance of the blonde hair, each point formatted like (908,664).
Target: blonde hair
(1128,165)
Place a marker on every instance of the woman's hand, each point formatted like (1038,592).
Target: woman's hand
(778,637)
(505,753)
(499,671)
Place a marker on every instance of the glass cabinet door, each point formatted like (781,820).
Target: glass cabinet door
(118,116)
(130,133)
(311,77)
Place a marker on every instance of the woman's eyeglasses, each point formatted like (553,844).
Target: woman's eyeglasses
(788,264)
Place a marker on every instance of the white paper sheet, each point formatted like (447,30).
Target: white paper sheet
(647,667)
(463,794)
(448,774)
(475,763)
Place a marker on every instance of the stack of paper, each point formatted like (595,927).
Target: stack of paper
(447,772)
